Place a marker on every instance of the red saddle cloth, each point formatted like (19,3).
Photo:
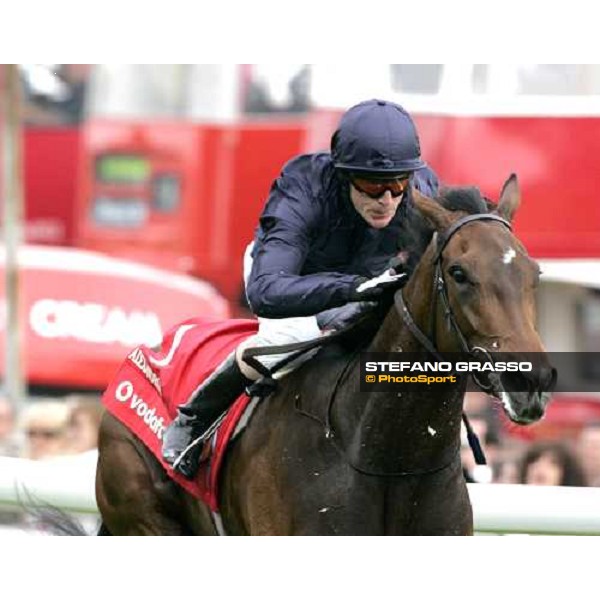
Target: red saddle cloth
(150,385)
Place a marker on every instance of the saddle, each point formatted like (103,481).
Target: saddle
(151,383)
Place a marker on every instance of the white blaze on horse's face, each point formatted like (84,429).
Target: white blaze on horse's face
(508,256)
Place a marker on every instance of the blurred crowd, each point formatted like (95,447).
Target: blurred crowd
(68,426)
(48,428)
(531,455)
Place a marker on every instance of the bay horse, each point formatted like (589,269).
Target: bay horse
(322,457)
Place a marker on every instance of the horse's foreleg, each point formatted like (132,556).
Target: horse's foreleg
(436,504)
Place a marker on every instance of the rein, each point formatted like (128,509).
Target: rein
(440,291)
(331,436)
(267,384)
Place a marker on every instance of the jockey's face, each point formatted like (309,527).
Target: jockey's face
(377,212)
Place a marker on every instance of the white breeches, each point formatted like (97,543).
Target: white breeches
(276,332)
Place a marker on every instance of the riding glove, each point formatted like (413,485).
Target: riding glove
(336,319)
(375,288)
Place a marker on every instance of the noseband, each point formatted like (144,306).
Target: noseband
(440,291)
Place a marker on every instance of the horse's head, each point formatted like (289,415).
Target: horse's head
(484,275)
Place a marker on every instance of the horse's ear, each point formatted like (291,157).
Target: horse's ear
(510,198)
(433,211)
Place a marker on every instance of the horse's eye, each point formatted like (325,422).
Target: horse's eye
(458,274)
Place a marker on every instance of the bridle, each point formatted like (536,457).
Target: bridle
(440,292)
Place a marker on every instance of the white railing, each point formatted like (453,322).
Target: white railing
(66,483)
(69,484)
(501,508)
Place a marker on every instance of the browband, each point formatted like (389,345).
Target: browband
(444,237)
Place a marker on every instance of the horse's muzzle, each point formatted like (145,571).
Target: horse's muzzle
(525,395)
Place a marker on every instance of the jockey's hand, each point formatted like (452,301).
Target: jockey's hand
(398,264)
(375,288)
(336,319)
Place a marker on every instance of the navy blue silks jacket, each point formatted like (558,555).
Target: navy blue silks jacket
(311,244)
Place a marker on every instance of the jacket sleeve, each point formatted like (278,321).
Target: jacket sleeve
(288,226)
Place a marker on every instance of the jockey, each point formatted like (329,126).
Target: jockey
(330,226)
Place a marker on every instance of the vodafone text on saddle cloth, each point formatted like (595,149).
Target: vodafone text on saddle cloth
(126,393)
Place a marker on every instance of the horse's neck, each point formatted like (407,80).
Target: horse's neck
(401,430)
(393,335)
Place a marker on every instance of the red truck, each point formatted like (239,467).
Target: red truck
(185,193)
(173,163)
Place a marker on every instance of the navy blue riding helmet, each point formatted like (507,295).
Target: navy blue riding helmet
(377,138)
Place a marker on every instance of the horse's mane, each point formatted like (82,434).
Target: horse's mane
(465,199)
(416,234)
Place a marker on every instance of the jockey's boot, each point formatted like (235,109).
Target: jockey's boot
(195,417)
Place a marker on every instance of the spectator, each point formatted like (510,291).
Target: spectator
(84,422)
(551,463)
(9,445)
(44,424)
(64,432)
(589,452)
(506,471)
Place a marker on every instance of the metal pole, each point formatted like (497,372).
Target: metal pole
(13,215)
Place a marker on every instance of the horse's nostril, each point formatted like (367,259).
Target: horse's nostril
(553,379)
(541,380)
(536,410)
(547,379)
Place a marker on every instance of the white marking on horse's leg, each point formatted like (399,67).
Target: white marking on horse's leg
(508,256)
(431,430)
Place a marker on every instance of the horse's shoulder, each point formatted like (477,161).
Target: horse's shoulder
(312,386)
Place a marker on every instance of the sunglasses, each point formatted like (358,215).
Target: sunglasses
(47,434)
(375,189)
